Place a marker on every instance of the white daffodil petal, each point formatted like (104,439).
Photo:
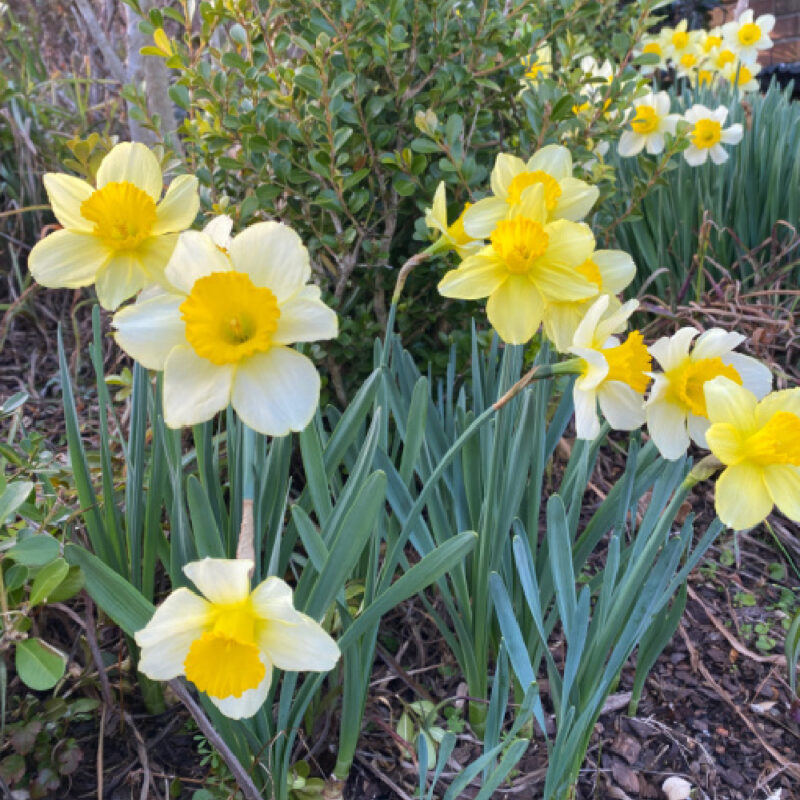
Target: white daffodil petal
(715,342)
(299,646)
(276,392)
(65,259)
(272,599)
(481,218)
(698,427)
(631,144)
(741,498)
(121,277)
(666,424)
(273,255)
(223,581)
(655,143)
(194,388)
(671,351)
(219,229)
(587,423)
(251,700)
(195,256)
(756,376)
(695,156)
(305,318)
(66,195)
(616,268)
(180,205)
(621,405)
(149,329)
(134,163)
(554,159)
(169,634)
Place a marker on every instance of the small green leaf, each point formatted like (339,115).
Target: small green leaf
(47,579)
(35,551)
(13,497)
(39,665)
(69,587)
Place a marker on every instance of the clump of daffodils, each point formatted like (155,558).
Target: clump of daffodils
(707,135)
(651,121)
(228,638)
(119,234)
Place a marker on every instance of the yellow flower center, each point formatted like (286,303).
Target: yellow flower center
(519,242)
(711,42)
(628,362)
(652,47)
(122,213)
(591,272)
(552,191)
(688,60)
(706,133)
(225,661)
(705,77)
(456,231)
(745,76)
(749,34)
(646,120)
(680,39)
(229,318)
(725,57)
(778,442)
(687,381)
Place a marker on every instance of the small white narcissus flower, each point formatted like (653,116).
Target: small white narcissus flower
(650,122)
(615,374)
(746,37)
(742,76)
(227,641)
(222,334)
(707,135)
(676,408)
(117,235)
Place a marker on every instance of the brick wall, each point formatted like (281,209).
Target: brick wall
(786,34)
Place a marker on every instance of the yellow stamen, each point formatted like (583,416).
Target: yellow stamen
(652,47)
(711,42)
(778,442)
(122,213)
(705,77)
(552,191)
(628,362)
(591,272)
(706,133)
(688,60)
(646,120)
(680,40)
(749,34)
(725,57)
(228,318)
(519,242)
(687,382)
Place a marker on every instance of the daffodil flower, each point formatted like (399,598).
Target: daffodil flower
(759,444)
(222,333)
(541,65)
(529,262)
(688,63)
(651,45)
(707,135)
(742,76)
(708,40)
(676,41)
(676,408)
(117,235)
(650,122)
(614,374)
(611,271)
(452,237)
(748,37)
(227,639)
(719,57)
(551,168)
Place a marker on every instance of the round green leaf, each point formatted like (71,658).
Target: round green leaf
(35,551)
(47,580)
(39,665)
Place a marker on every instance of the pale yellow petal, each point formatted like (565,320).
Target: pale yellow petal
(180,205)
(272,599)
(305,318)
(666,424)
(576,200)
(134,163)
(276,392)
(741,497)
(506,168)
(785,400)
(477,277)
(554,159)
(726,401)
(481,218)
(194,388)
(783,484)
(515,310)
(222,581)
(561,321)
(149,329)
(616,269)
(65,259)
(121,277)
(66,195)
(532,204)
(195,256)
(570,244)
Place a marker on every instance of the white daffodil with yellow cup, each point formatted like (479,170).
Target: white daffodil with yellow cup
(707,135)
(651,121)
(116,235)
(529,262)
(227,639)
(747,36)
(758,442)
(614,374)
(551,168)
(222,334)
(676,409)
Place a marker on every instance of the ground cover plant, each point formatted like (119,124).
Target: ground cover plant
(369,377)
